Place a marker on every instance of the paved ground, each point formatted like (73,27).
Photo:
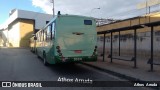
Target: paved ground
(22,65)
(142,72)
(127,71)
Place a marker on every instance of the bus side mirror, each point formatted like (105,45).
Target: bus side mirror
(35,38)
(33,34)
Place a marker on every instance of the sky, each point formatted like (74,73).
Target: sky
(108,8)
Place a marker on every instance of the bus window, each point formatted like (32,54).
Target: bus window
(37,37)
(40,36)
(49,32)
(88,22)
(53,30)
(45,35)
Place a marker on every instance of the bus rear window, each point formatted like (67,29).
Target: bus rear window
(88,22)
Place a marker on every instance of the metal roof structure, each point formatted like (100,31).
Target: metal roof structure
(130,27)
(135,28)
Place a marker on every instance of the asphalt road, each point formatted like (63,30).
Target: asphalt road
(22,65)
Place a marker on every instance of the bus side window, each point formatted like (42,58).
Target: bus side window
(53,30)
(37,37)
(41,36)
(45,33)
(49,32)
(87,22)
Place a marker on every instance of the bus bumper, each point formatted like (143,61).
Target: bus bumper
(75,59)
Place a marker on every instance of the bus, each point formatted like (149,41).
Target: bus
(32,43)
(67,38)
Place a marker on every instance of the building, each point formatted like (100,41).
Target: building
(20,26)
(127,37)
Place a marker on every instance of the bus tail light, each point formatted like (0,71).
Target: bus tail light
(59,51)
(64,59)
(78,51)
(58,47)
(60,54)
(95,50)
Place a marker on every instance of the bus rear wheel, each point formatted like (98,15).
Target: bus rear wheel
(45,61)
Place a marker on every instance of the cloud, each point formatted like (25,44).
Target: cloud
(109,8)
(45,5)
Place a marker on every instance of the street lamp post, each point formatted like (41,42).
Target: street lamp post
(52,1)
(146,7)
(159,4)
(93,10)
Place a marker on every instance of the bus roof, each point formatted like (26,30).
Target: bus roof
(66,15)
(63,15)
(76,16)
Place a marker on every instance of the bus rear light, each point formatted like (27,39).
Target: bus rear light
(89,57)
(64,59)
(94,54)
(78,51)
(59,51)
(60,54)
(58,47)
(95,50)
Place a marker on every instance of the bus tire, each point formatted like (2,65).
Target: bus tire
(38,55)
(35,50)
(45,60)
(31,49)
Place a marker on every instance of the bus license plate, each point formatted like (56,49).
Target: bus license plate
(77,59)
(78,51)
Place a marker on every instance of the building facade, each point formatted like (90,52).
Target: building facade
(127,37)
(20,26)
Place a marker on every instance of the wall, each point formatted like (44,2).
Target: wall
(127,39)
(130,22)
(14,35)
(18,33)
(127,44)
(26,31)
(20,25)
(40,18)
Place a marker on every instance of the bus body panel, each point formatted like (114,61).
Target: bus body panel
(71,40)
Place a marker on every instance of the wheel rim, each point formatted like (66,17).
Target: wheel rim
(44,60)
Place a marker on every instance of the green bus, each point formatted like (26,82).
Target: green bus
(32,43)
(67,38)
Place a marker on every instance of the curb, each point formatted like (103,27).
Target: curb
(114,73)
(122,76)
